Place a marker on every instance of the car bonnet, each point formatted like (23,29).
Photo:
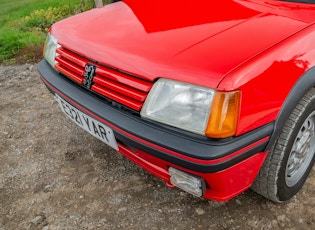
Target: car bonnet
(197,41)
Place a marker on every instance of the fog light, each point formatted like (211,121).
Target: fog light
(191,184)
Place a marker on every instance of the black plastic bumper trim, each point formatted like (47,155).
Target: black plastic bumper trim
(195,147)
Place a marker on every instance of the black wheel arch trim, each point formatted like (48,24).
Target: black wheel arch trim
(193,147)
(301,87)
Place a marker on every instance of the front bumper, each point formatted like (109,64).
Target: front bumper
(228,166)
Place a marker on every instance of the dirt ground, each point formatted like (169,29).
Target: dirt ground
(53,175)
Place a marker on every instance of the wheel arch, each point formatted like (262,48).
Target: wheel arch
(301,87)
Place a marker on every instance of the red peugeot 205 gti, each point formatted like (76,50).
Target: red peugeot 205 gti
(213,97)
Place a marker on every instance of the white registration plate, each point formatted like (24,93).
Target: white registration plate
(89,124)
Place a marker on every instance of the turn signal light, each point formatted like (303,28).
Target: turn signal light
(224,115)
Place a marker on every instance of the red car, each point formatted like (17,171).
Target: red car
(214,97)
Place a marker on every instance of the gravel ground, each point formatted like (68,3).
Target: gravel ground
(53,175)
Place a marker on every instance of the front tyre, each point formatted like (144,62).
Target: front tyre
(292,155)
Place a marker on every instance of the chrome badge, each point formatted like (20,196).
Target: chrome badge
(89,75)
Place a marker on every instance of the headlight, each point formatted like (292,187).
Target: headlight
(194,108)
(178,104)
(51,45)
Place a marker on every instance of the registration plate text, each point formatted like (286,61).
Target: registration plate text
(89,124)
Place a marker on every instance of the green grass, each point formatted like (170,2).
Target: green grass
(23,25)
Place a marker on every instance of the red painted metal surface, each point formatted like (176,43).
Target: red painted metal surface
(267,78)
(202,53)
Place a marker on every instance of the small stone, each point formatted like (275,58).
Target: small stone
(30,68)
(238,201)
(199,211)
(37,220)
(47,188)
(122,209)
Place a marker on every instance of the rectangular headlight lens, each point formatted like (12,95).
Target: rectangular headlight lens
(50,49)
(179,104)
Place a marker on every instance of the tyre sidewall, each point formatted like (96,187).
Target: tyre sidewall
(284,192)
